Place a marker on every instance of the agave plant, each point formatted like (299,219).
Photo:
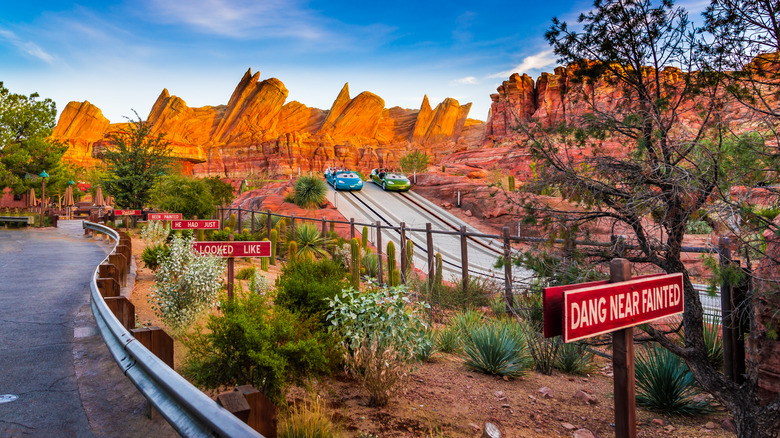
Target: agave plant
(448,340)
(309,191)
(463,322)
(665,384)
(495,348)
(713,339)
(310,242)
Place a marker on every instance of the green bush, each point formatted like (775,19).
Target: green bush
(448,340)
(370,263)
(246,273)
(498,306)
(304,287)
(713,339)
(426,346)
(697,227)
(574,359)
(309,192)
(495,348)
(477,294)
(465,321)
(250,343)
(665,384)
(152,255)
(382,332)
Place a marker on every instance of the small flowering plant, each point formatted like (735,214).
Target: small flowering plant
(155,233)
(187,285)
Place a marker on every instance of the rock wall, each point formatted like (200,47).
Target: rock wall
(258,131)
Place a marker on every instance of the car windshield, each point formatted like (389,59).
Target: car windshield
(347,175)
(395,176)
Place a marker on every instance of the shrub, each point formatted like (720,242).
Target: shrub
(464,322)
(246,273)
(665,384)
(697,227)
(308,421)
(248,343)
(310,242)
(414,161)
(304,287)
(498,306)
(495,348)
(309,191)
(426,346)
(574,359)
(713,340)
(543,350)
(370,263)
(155,233)
(152,255)
(382,332)
(448,340)
(186,285)
(259,284)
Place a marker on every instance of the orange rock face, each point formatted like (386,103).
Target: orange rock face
(257,131)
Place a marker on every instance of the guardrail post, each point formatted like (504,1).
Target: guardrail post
(379,251)
(509,297)
(123,309)
(108,286)
(431,257)
(403,251)
(156,341)
(464,259)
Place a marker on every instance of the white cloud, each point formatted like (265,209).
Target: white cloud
(27,47)
(538,61)
(468,80)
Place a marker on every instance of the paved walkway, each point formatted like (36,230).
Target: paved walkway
(52,357)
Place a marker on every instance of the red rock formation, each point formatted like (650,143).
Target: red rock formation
(80,125)
(258,132)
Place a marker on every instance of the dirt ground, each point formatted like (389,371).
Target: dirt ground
(444,398)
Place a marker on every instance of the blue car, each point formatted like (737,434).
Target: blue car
(343,179)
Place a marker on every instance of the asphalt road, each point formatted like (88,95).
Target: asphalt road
(52,359)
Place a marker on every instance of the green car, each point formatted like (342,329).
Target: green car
(394,181)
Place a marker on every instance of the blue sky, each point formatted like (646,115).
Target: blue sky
(119,55)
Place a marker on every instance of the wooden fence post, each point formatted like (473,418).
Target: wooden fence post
(464,259)
(431,256)
(324,227)
(508,295)
(253,222)
(623,364)
(403,251)
(238,222)
(268,222)
(379,251)
(292,226)
(351,228)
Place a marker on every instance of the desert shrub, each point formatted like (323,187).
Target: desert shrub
(495,348)
(465,321)
(259,284)
(310,242)
(498,306)
(370,263)
(309,191)
(152,255)
(155,233)
(303,287)
(544,351)
(250,343)
(246,273)
(427,345)
(308,421)
(697,227)
(665,384)
(382,332)
(713,339)
(574,359)
(448,340)
(342,255)
(186,285)
(477,294)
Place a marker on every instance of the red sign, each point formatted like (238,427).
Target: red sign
(164,216)
(195,224)
(600,309)
(234,249)
(128,212)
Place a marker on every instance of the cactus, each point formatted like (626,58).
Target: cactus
(232,221)
(391,262)
(292,251)
(364,238)
(228,230)
(409,255)
(438,270)
(443,168)
(355,265)
(395,278)
(274,238)
(511,183)
(264,263)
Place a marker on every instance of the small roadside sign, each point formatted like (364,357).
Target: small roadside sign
(234,249)
(128,212)
(195,224)
(164,216)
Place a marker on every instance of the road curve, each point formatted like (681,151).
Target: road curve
(51,356)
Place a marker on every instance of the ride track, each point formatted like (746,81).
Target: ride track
(391,209)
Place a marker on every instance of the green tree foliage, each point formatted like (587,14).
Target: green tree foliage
(180,194)
(135,161)
(221,191)
(415,161)
(25,148)
(248,343)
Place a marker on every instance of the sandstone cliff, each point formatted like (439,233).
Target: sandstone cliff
(258,131)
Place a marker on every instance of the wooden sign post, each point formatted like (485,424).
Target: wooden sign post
(580,311)
(232,250)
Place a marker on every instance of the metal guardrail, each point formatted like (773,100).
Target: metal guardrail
(191,412)
(18,219)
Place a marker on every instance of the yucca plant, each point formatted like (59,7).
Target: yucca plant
(309,191)
(574,359)
(310,242)
(463,322)
(713,339)
(496,349)
(308,421)
(498,306)
(370,263)
(426,345)
(665,384)
(448,340)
